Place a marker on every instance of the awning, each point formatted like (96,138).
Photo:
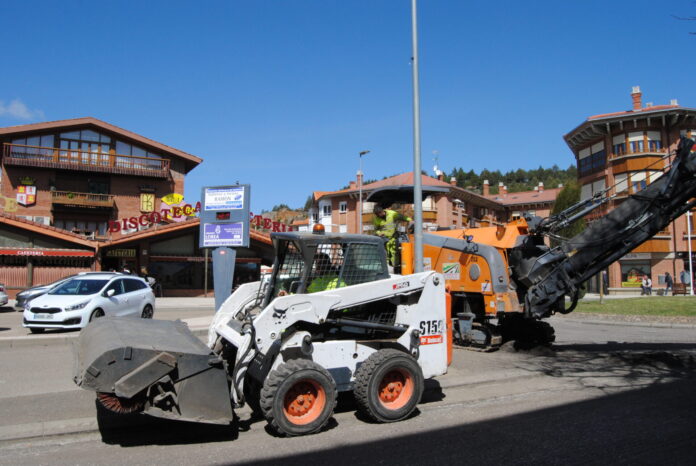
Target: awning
(45,252)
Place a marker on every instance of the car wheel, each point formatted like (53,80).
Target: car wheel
(147,312)
(36,330)
(96,314)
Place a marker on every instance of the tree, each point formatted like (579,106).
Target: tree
(569,195)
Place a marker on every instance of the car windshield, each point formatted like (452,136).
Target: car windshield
(79,287)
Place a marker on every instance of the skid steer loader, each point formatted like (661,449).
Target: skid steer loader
(330,319)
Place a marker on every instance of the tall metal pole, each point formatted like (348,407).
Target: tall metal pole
(360,185)
(688,239)
(417,188)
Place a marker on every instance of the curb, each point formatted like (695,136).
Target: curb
(36,340)
(628,324)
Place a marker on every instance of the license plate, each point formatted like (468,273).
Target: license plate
(43,316)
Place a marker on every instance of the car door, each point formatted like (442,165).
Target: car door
(136,296)
(116,304)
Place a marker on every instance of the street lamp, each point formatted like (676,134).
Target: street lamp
(360,183)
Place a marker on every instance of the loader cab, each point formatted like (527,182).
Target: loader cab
(310,262)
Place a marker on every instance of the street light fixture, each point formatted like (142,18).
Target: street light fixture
(360,183)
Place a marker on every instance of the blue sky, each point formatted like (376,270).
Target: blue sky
(283,94)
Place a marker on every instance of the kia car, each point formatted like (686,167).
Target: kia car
(75,302)
(24,296)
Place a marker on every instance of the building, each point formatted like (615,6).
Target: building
(83,194)
(623,152)
(451,206)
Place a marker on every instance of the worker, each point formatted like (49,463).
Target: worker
(326,277)
(385,223)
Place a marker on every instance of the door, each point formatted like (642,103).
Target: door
(136,293)
(118,303)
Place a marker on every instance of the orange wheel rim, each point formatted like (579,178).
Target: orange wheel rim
(304,402)
(395,389)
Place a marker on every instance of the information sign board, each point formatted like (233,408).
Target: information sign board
(225,198)
(223,234)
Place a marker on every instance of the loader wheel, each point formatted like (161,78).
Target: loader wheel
(388,386)
(298,397)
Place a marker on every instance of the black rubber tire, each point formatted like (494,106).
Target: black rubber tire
(371,374)
(36,330)
(97,313)
(147,312)
(277,386)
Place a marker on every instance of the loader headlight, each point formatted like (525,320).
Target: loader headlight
(77,306)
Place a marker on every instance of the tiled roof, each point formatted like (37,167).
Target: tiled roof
(403,179)
(526,197)
(190,223)
(48,230)
(101,124)
(654,108)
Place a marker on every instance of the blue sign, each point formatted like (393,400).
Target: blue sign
(229,198)
(223,234)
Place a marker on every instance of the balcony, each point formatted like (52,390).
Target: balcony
(630,152)
(89,200)
(63,159)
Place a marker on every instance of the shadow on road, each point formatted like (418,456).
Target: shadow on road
(643,426)
(5,309)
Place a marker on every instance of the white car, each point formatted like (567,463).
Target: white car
(73,304)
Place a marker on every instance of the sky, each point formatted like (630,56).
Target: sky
(284,94)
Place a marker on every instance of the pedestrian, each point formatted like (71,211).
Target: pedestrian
(669,283)
(644,285)
(685,277)
(385,223)
(648,285)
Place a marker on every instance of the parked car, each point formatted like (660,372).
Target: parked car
(3,295)
(23,297)
(76,302)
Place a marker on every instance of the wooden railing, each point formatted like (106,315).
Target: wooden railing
(646,151)
(50,157)
(82,199)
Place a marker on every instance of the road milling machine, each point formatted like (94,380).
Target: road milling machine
(333,317)
(503,280)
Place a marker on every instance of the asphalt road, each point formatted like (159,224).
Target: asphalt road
(614,393)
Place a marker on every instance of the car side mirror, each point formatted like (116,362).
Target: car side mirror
(109,293)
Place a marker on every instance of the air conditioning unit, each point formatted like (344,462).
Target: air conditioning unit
(43,220)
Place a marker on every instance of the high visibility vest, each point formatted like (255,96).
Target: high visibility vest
(387,226)
(328,282)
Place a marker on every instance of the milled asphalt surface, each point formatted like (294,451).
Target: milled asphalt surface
(64,409)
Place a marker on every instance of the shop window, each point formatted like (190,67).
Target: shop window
(632,273)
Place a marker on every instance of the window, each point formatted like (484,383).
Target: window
(590,189)
(36,141)
(654,141)
(636,142)
(638,181)
(592,159)
(619,144)
(326,210)
(133,285)
(632,273)
(117,286)
(343,207)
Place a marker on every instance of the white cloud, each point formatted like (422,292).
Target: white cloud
(18,110)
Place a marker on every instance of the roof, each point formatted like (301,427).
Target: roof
(58,233)
(172,227)
(192,160)
(597,126)
(526,197)
(396,180)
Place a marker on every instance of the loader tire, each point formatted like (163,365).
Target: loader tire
(298,398)
(388,386)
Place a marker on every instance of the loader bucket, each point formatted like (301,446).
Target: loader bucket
(158,365)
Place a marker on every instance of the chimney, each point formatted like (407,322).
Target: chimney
(359,180)
(560,185)
(536,188)
(636,95)
(486,188)
(441,176)
(541,186)
(502,189)
(453,181)
(673,102)
(353,185)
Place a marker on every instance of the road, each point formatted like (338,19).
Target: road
(615,393)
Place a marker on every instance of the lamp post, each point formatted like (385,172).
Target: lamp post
(417,188)
(360,184)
